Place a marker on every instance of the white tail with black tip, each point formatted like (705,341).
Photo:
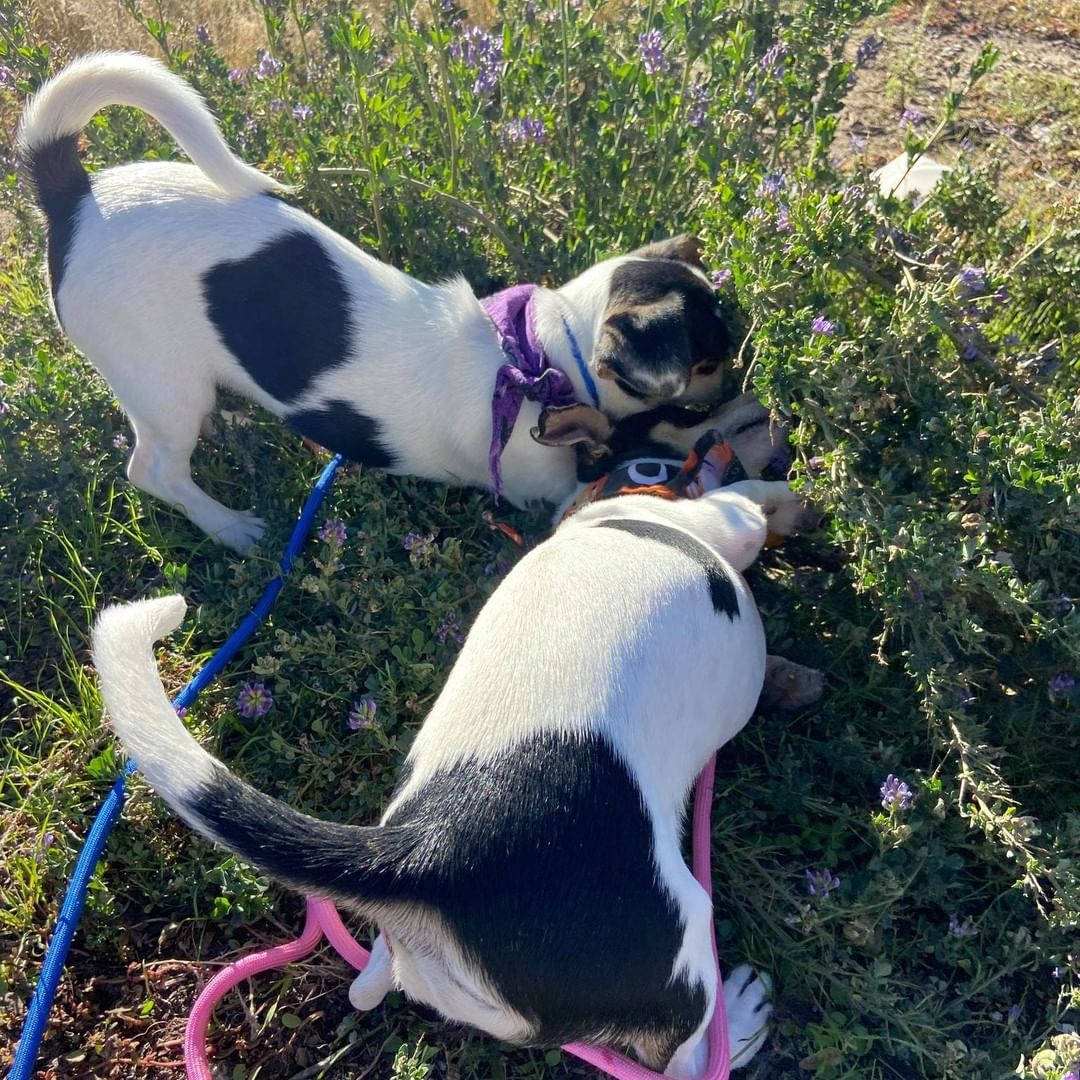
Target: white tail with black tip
(359,866)
(67,103)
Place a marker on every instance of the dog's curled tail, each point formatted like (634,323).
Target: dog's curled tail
(48,132)
(363,867)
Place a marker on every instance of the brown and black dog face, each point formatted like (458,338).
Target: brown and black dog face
(665,334)
(667,432)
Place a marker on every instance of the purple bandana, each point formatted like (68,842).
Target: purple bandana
(526,374)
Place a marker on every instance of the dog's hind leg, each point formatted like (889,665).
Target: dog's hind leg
(160,464)
(374,982)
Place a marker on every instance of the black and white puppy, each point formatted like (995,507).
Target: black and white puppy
(527,876)
(177,279)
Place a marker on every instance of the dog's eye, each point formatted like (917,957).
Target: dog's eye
(648,472)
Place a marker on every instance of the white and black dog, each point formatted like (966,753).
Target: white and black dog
(177,279)
(527,876)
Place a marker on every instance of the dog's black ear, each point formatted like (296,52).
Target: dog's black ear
(684,247)
(646,349)
(577,425)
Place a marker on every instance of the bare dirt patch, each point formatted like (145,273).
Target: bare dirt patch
(1022,119)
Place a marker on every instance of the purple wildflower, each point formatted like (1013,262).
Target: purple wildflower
(202,34)
(911,117)
(4,406)
(1072,1074)
(783,221)
(449,629)
(301,112)
(772,63)
(277,106)
(1061,684)
(771,185)
(756,214)
(181,711)
(523,130)
(120,441)
(964,698)
(238,75)
(965,929)
(362,714)
(720,278)
(823,326)
(651,51)
(46,842)
(868,50)
(973,279)
(858,142)
(269,65)
(484,54)
(7,76)
(821,882)
(697,99)
(1014,1013)
(418,545)
(895,794)
(254,700)
(332,532)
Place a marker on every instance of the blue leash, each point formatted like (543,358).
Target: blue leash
(37,1014)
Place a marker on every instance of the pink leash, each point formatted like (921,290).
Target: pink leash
(323,919)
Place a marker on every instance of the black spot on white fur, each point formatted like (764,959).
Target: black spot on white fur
(721,590)
(283,312)
(59,183)
(345,430)
(539,864)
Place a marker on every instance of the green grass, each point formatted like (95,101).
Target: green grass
(938,429)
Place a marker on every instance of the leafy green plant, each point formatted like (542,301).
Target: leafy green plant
(902,859)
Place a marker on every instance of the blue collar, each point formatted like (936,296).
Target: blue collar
(586,375)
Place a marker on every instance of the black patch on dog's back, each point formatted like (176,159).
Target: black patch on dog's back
(59,183)
(721,591)
(283,312)
(342,429)
(540,863)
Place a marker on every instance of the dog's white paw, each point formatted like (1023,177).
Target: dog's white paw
(241,532)
(374,982)
(366,993)
(746,999)
(751,432)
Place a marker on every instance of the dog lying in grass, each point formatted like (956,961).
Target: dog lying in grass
(177,279)
(527,876)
